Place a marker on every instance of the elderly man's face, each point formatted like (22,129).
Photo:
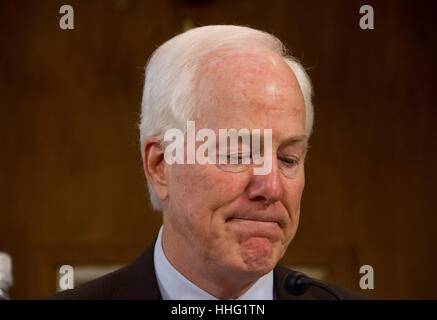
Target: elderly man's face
(238,222)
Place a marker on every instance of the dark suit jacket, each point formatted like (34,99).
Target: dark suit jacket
(137,281)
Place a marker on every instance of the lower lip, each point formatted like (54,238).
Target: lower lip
(255,228)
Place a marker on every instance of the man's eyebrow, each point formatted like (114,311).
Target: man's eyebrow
(294,139)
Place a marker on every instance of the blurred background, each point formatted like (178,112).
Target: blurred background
(72,190)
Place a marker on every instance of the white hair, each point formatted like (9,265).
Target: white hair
(168,96)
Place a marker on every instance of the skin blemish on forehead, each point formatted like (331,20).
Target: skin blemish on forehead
(271,90)
(272,60)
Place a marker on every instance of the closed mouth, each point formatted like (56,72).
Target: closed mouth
(251,219)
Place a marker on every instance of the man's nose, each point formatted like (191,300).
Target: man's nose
(266,188)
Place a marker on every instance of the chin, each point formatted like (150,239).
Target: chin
(259,256)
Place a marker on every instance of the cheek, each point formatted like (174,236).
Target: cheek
(225,186)
(293,195)
(184,186)
(204,187)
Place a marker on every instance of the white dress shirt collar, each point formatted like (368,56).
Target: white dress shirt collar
(174,286)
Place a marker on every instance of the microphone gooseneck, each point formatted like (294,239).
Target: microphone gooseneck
(297,283)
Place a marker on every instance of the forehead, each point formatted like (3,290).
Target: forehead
(249,89)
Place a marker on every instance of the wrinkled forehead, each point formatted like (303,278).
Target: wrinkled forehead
(245,88)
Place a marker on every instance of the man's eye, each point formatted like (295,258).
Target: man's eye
(289,162)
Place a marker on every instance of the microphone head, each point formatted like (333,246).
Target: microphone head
(293,283)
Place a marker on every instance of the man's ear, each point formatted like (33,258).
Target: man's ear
(155,167)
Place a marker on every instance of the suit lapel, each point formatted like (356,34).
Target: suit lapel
(138,279)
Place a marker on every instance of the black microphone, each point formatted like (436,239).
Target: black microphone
(296,283)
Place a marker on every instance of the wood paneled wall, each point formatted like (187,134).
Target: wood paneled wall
(72,188)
